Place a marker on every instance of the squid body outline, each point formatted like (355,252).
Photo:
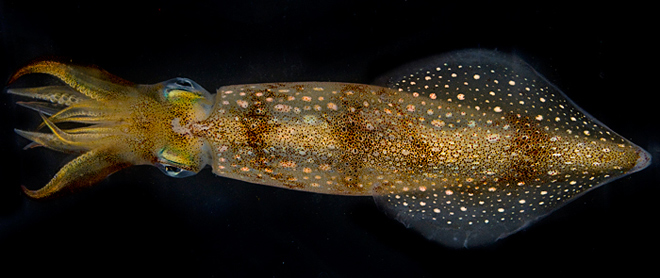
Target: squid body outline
(466,148)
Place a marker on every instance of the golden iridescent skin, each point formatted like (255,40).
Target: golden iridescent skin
(465,148)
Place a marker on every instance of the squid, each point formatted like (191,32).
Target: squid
(465,148)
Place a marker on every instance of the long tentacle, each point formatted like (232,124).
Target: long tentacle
(67,105)
(42,107)
(57,98)
(47,140)
(85,170)
(87,115)
(74,140)
(91,82)
(63,95)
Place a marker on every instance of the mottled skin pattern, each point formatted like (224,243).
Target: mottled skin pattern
(465,148)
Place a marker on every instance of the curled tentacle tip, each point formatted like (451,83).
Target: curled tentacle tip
(13,78)
(31,193)
(41,193)
(35,67)
(32,145)
(23,71)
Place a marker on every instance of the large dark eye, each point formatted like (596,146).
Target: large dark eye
(174,171)
(186,91)
(185,83)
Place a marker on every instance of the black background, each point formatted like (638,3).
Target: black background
(139,221)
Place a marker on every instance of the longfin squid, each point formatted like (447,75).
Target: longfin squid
(465,148)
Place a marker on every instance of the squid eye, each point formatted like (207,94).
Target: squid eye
(182,89)
(185,83)
(187,92)
(174,171)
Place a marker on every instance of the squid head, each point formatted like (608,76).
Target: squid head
(113,124)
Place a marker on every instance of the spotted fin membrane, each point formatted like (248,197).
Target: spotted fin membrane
(545,150)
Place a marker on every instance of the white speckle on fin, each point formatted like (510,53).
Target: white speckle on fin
(464,218)
(515,149)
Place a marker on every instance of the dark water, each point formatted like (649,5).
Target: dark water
(140,221)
